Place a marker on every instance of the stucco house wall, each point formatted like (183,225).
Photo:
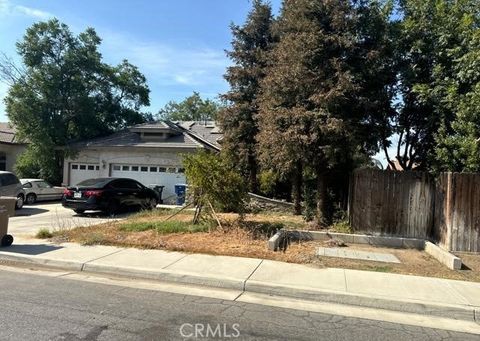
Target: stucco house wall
(11,152)
(107,157)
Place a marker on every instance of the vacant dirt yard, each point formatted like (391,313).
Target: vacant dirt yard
(248,238)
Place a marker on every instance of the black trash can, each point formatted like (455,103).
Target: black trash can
(159,190)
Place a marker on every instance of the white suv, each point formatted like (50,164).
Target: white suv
(10,186)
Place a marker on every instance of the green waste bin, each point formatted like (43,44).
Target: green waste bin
(7,209)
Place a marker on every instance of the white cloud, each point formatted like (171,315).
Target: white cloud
(8,8)
(166,64)
(33,12)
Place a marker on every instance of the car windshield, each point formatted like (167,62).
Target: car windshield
(93,183)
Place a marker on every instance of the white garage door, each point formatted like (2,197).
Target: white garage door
(167,176)
(83,171)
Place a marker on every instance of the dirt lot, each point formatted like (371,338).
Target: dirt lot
(249,238)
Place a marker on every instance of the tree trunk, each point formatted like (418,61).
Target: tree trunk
(252,167)
(297,189)
(321,215)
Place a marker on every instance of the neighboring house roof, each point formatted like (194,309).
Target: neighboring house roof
(398,167)
(183,135)
(8,134)
(207,131)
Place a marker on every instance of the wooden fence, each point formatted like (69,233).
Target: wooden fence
(457,212)
(414,204)
(391,203)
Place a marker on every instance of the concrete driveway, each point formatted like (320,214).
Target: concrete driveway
(51,215)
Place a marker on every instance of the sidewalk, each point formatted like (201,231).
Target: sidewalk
(424,295)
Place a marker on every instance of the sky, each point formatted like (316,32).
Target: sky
(179,45)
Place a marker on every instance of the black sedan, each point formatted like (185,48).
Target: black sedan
(109,195)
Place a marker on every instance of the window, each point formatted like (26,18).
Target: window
(170,170)
(91,167)
(74,166)
(125,168)
(162,169)
(116,168)
(9,179)
(83,167)
(42,184)
(125,184)
(153,169)
(144,169)
(180,170)
(97,167)
(134,168)
(27,185)
(3,161)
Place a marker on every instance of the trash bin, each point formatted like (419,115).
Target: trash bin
(7,209)
(180,191)
(159,190)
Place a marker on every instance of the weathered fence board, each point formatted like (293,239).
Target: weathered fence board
(392,203)
(457,211)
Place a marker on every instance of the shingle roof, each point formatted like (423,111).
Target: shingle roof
(7,134)
(126,138)
(185,135)
(208,130)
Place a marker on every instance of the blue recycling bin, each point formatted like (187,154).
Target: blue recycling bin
(180,191)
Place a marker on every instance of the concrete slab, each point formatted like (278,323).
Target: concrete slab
(385,241)
(67,255)
(285,274)
(356,254)
(402,287)
(412,243)
(470,291)
(149,260)
(274,241)
(216,266)
(443,256)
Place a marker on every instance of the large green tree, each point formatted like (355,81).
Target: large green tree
(65,93)
(437,54)
(316,112)
(250,43)
(192,108)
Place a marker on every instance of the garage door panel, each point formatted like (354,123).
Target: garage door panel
(167,176)
(83,171)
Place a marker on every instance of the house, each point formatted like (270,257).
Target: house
(398,167)
(150,153)
(10,147)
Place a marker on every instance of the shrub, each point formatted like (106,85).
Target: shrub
(44,234)
(213,179)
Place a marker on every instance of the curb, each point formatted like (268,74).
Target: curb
(406,306)
(467,313)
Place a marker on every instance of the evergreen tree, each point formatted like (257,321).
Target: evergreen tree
(306,91)
(239,119)
(327,91)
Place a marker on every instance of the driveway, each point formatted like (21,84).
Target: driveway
(51,215)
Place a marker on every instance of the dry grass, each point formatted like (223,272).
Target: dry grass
(249,238)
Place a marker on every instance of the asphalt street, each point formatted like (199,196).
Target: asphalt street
(54,308)
(51,215)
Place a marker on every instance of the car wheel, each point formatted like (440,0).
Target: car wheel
(151,204)
(31,198)
(7,240)
(20,201)
(79,211)
(112,208)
